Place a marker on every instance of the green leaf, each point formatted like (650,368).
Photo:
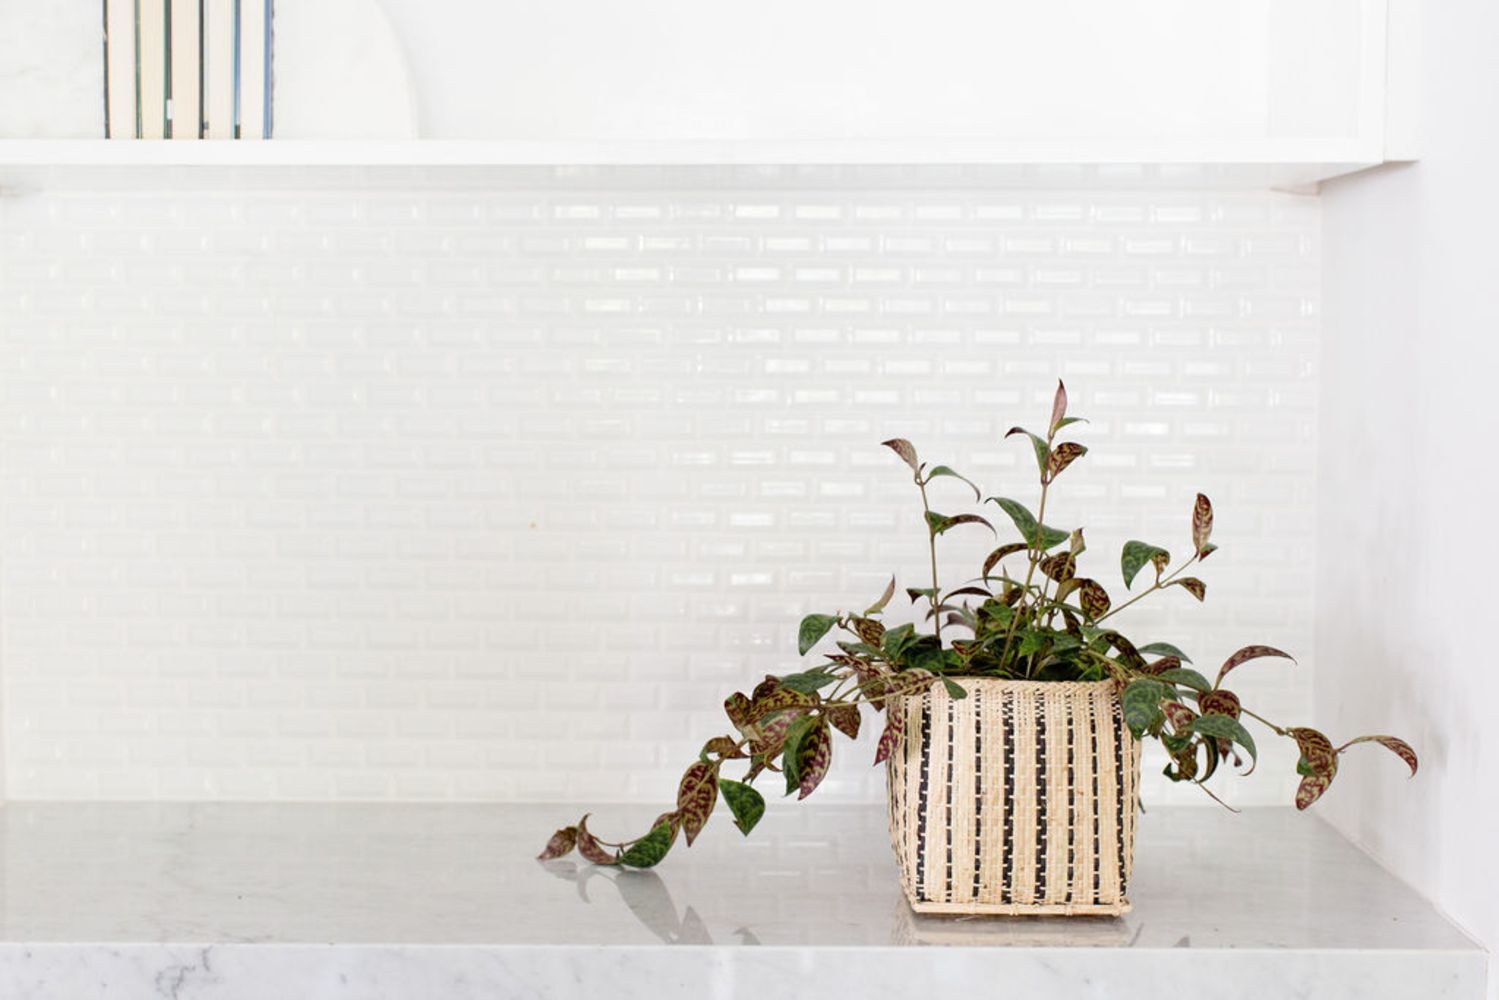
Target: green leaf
(940,523)
(791,751)
(812,629)
(1134,557)
(954,692)
(1224,727)
(648,851)
(897,639)
(1142,704)
(879,605)
(943,470)
(1037,443)
(1186,678)
(1025,523)
(1065,421)
(1165,649)
(808,681)
(744,802)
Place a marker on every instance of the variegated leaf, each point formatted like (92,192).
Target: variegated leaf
(737,707)
(1126,649)
(869,630)
(1202,522)
(724,746)
(1179,715)
(772,732)
(778,700)
(1038,536)
(1136,554)
(1038,444)
(1245,655)
(1162,665)
(1183,676)
(696,797)
(1059,567)
(765,688)
(1222,727)
(905,450)
(1219,702)
(1142,704)
(942,523)
(813,756)
(671,819)
(1093,599)
(845,719)
(562,842)
(1000,553)
(1193,586)
(648,851)
(1058,406)
(1062,456)
(908,683)
(745,803)
(890,738)
(811,631)
(1320,756)
(1311,788)
(591,849)
(879,605)
(1394,744)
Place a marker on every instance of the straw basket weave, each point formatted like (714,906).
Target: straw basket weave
(1018,799)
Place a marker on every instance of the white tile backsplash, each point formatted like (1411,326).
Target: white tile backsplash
(495,489)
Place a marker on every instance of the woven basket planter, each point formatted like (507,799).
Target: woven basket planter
(1018,799)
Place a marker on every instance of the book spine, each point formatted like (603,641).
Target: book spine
(151,45)
(186,44)
(220,53)
(252,67)
(119,69)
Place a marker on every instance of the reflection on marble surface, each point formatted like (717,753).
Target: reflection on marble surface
(198,900)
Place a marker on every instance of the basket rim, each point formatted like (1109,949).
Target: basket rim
(1008,682)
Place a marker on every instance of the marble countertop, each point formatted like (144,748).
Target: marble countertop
(230,901)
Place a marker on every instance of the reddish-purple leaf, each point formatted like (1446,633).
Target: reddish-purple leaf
(905,450)
(813,757)
(1062,456)
(696,796)
(869,631)
(1193,586)
(1160,560)
(1207,550)
(591,849)
(845,719)
(1316,749)
(890,738)
(1058,406)
(908,682)
(1245,655)
(765,688)
(941,525)
(1202,522)
(1179,715)
(561,843)
(1000,553)
(1311,788)
(1394,744)
(1093,599)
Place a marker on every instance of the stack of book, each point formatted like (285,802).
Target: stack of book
(187,69)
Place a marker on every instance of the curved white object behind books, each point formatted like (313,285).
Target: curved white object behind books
(340,72)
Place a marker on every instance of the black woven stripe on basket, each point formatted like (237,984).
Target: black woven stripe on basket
(978,785)
(921,799)
(1041,873)
(1007,876)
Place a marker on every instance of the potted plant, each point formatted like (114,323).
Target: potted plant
(1011,729)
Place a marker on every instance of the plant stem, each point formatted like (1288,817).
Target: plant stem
(931,542)
(1160,584)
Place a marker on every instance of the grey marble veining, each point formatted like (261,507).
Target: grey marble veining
(231,901)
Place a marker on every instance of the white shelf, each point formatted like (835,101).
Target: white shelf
(236,901)
(1274,164)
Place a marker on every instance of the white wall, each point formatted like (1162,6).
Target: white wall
(493,485)
(1408,483)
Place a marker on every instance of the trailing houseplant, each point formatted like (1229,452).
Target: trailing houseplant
(1028,618)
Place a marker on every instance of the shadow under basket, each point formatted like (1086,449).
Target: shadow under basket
(1019,799)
